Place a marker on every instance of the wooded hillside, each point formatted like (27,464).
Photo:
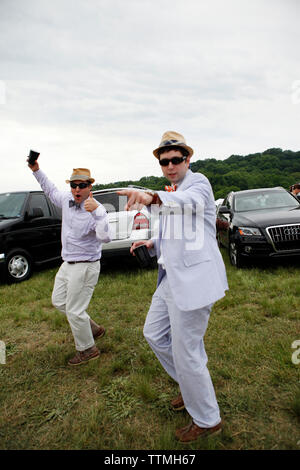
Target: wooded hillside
(273,167)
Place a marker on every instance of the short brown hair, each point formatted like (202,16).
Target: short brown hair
(184,152)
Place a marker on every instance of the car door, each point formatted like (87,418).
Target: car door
(120,220)
(41,232)
(56,215)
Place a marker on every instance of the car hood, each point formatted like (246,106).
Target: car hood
(266,217)
(4,223)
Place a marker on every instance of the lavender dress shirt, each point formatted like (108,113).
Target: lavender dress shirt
(83,232)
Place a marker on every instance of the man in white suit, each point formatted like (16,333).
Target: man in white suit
(191,278)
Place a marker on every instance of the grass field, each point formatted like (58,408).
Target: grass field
(122,400)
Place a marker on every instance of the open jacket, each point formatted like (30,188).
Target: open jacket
(186,239)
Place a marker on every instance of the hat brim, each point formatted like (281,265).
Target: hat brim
(189,149)
(80,178)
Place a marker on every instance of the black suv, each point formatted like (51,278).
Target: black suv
(30,233)
(259,223)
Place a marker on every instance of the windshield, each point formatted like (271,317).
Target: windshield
(11,205)
(264,200)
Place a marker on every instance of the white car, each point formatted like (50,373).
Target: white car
(126,226)
(218,203)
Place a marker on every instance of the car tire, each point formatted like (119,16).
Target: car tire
(235,255)
(18,266)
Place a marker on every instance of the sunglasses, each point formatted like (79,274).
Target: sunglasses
(80,185)
(174,161)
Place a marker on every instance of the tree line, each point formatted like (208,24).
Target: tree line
(273,167)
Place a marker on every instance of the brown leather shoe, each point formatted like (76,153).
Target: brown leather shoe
(192,432)
(178,403)
(97,330)
(82,357)
(99,333)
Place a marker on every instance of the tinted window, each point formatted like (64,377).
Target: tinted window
(112,202)
(39,200)
(54,209)
(11,204)
(58,211)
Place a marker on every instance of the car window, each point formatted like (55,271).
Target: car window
(11,204)
(112,202)
(39,200)
(55,210)
(58,211)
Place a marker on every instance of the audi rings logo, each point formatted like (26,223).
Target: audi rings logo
(292,231)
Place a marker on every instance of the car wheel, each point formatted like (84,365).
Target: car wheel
(18,266)
(235,255)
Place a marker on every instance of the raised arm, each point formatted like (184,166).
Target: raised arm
(47,186)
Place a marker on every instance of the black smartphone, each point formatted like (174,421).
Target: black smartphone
(33,156)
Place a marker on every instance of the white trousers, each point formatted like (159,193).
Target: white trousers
(176,337)
(73,289)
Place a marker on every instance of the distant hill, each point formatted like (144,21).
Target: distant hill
(273,167)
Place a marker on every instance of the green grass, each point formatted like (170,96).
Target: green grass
(122,401)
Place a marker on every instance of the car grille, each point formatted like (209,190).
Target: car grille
(285,237)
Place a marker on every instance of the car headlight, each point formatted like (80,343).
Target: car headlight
(249,231)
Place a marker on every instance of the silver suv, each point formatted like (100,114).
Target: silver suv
(126,226)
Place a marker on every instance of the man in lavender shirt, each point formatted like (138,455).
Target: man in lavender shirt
(84,227)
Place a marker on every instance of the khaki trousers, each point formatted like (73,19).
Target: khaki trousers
(73,289)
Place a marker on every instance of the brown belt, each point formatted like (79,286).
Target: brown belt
(74,262)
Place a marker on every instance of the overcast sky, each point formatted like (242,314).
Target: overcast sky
(95,83)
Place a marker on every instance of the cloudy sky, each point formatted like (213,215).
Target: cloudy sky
(95,83)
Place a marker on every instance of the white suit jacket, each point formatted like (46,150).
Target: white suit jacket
(187,239)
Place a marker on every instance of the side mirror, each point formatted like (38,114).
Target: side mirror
(36,213)
(224,210)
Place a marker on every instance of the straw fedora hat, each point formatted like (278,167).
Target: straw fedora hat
(171,138)
(81,174)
